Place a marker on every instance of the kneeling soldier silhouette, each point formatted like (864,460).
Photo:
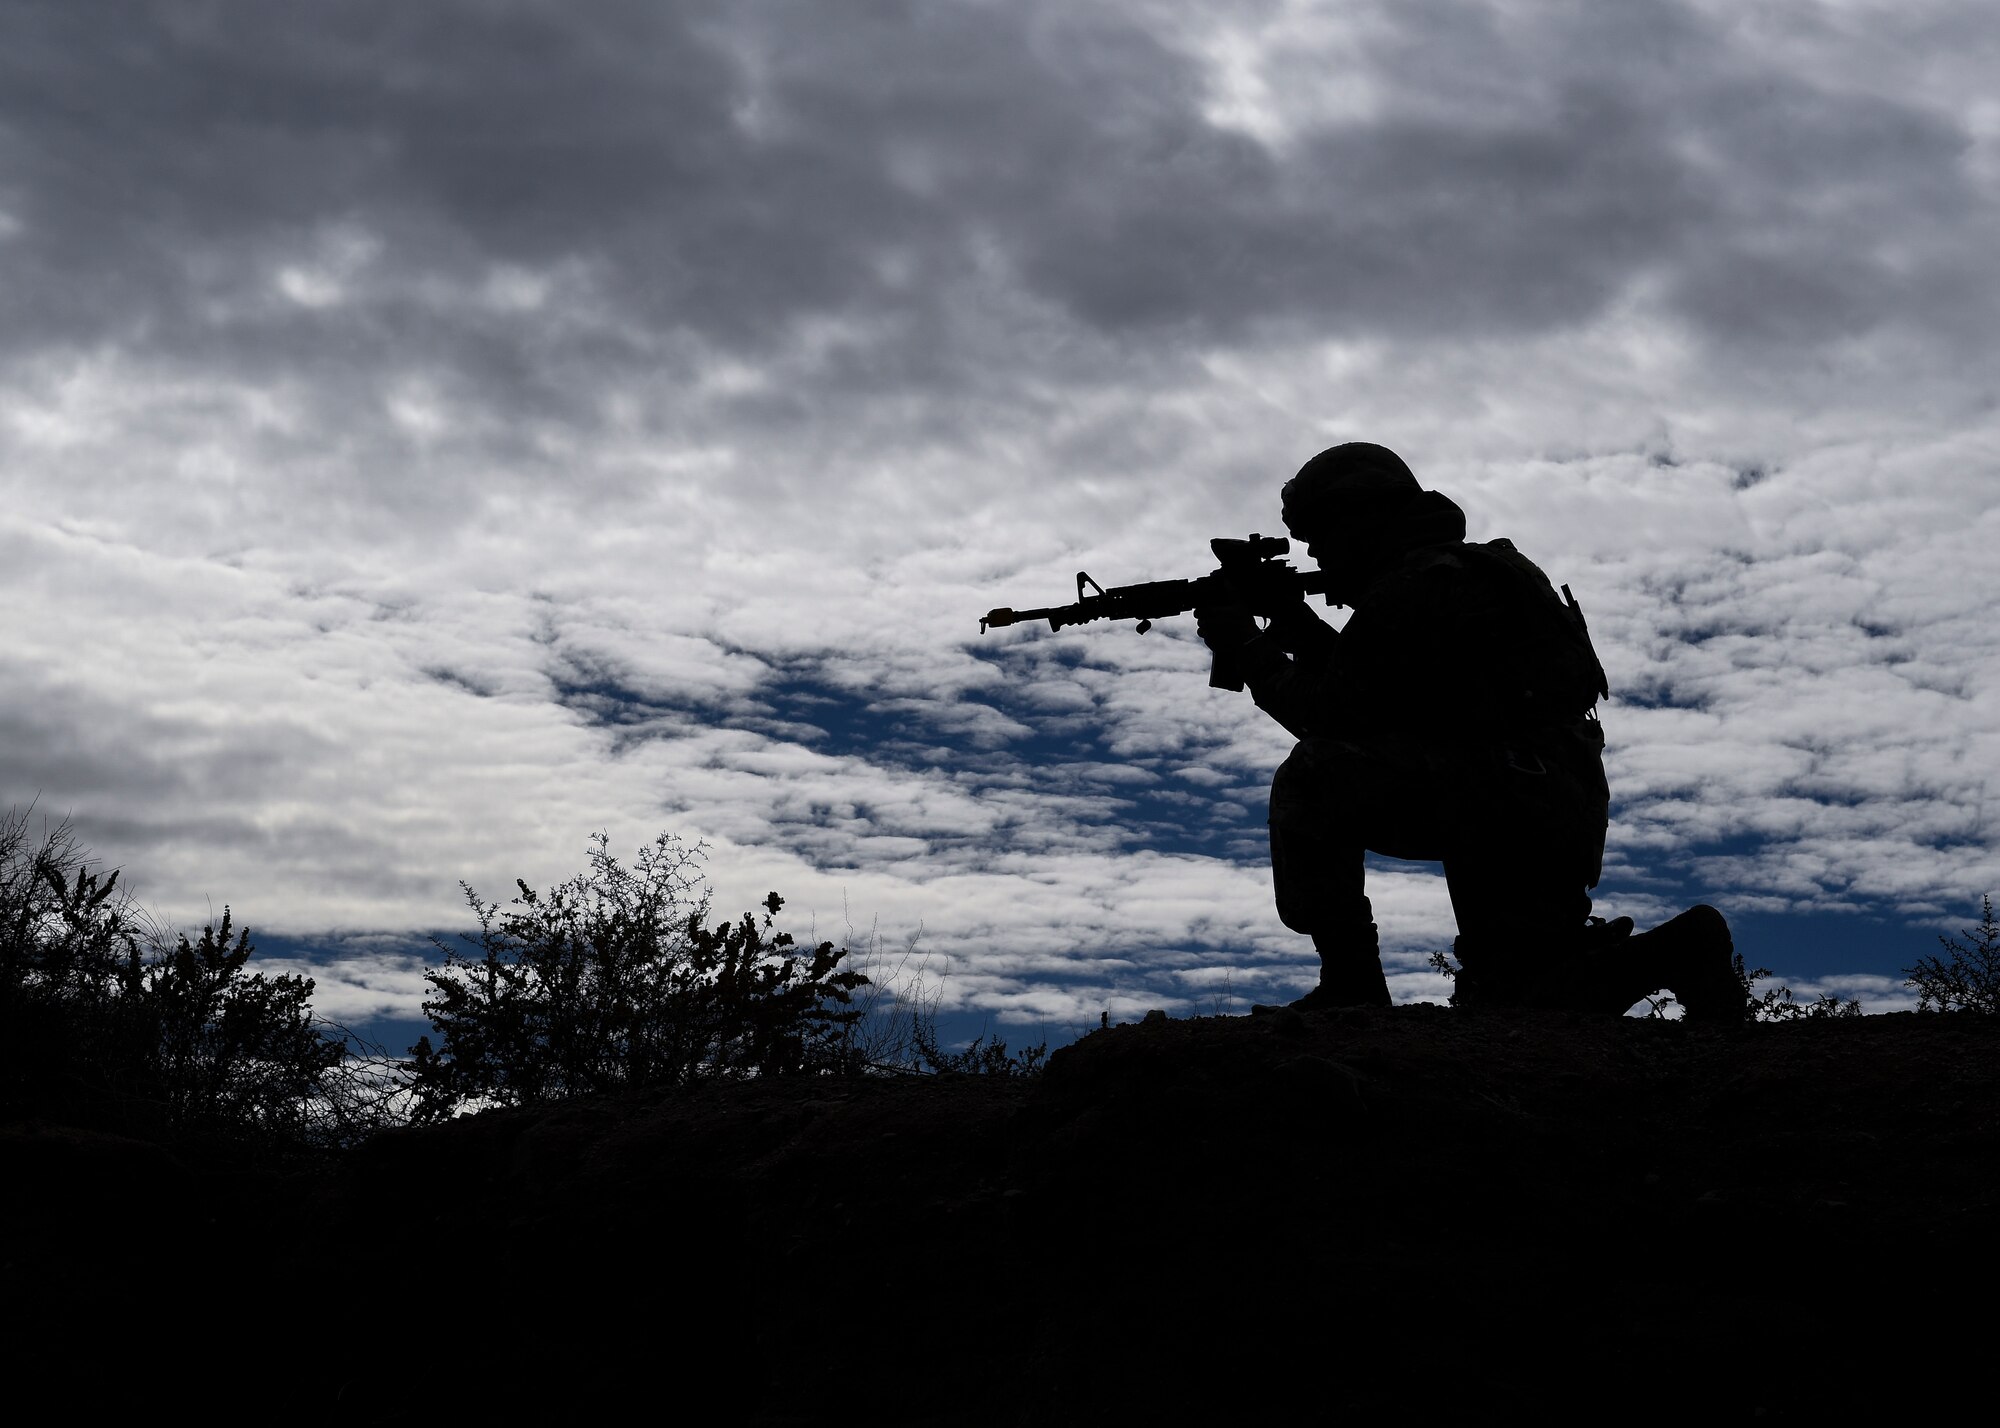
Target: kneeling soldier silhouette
(1452,720)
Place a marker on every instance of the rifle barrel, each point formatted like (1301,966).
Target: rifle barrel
(1153,600)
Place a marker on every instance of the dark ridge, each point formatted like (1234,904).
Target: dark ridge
(1387,1213)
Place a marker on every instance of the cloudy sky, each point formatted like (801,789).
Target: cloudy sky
(430,434)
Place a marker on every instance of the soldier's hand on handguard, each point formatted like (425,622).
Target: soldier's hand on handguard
(1224,628)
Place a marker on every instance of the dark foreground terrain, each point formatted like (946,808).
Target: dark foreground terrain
(1389,1214)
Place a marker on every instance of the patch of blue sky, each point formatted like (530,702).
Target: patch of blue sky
(1169,804)
(372,988)
(1819,945)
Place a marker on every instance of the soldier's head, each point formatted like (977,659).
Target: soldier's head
(1343,499)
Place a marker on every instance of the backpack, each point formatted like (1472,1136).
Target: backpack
(1558,677)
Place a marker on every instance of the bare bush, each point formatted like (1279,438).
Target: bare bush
(615,978)
(107,1019)
(1967,977)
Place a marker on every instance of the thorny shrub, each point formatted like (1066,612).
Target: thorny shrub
(1778,1003)
(614,979)
(104,1022)
(1967,977)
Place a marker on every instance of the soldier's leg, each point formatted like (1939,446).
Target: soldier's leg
(1523,942)
(1331,801)
(1520,922)
(1517,880)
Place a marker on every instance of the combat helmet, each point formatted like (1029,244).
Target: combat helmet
(1356,482)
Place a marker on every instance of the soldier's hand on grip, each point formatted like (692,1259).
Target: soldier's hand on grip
(1224,627)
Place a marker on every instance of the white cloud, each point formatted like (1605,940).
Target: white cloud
(357,989)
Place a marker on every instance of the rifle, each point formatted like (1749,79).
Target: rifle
(1257,558)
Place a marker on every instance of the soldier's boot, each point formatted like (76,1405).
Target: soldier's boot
(1693,956)
(1350,973)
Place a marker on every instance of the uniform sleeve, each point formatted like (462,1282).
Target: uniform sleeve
(1293,687)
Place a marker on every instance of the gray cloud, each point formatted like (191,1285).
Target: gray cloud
(413,187)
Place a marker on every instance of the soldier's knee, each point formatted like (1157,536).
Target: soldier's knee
(1298,788)
(1298,914)
(1286,783)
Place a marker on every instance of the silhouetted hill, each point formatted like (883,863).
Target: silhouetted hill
(1393,1212)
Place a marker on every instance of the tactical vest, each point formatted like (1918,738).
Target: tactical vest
(1555,676)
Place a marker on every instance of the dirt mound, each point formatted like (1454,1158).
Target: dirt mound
(1390,1212)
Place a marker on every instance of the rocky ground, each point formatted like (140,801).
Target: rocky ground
(1392,1213)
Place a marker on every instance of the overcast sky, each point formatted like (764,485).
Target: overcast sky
(432,433)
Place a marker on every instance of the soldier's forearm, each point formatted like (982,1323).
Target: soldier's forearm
(1301,632)
(1289,716)
(1278,687)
